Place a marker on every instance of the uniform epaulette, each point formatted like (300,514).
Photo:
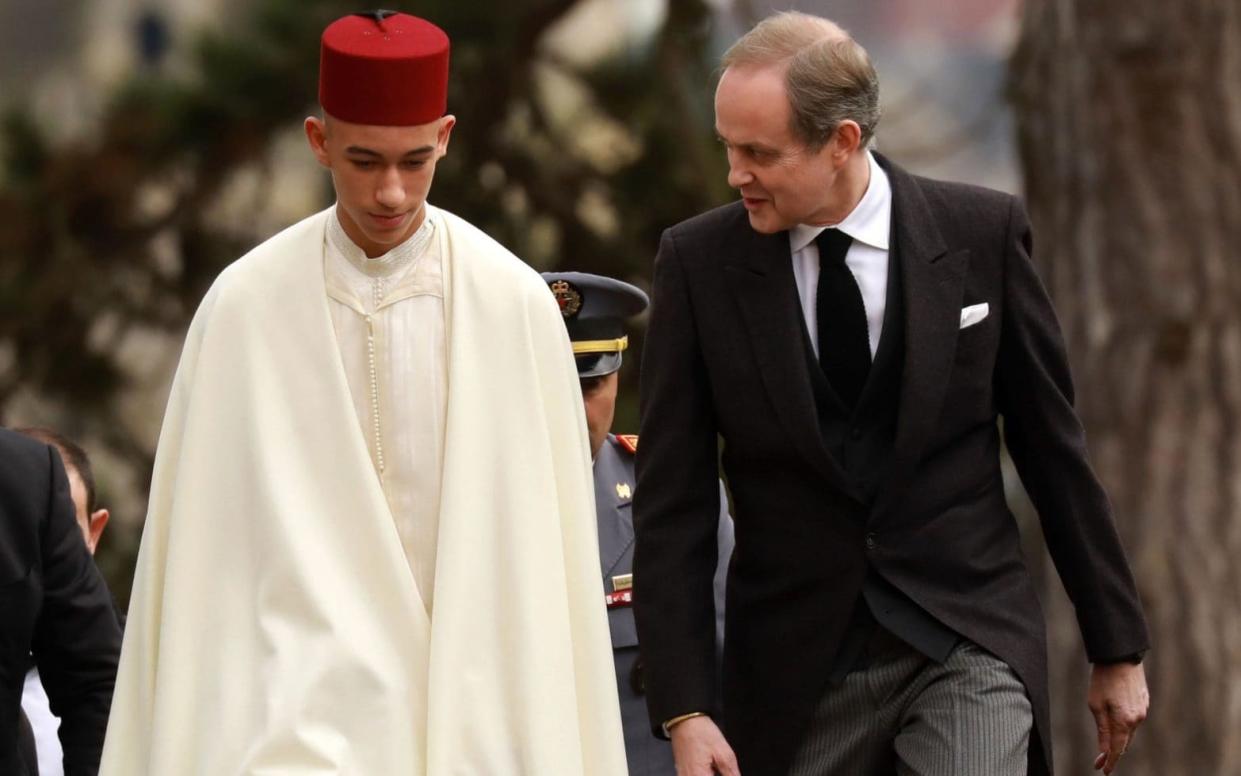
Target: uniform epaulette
(628,443)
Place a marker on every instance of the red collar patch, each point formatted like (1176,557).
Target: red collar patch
(628,442)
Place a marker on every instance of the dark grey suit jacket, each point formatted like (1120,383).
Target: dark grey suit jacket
(725,360)
(614,481)
(54,605)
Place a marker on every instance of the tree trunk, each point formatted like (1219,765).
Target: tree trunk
(1129,117)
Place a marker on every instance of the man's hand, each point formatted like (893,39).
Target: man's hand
(1119,700)
(699,749)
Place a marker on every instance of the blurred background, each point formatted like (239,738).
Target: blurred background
(145,144)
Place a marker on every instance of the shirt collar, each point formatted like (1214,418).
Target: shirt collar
(390,263)
(870,220)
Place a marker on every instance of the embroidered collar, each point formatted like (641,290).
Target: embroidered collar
(390,263)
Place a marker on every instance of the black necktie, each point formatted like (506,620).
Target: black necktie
(844,341)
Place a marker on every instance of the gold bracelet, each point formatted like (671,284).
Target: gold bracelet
(678,720)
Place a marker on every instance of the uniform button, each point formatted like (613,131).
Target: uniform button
(871,542)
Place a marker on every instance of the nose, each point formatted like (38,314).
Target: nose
(391,191)
(738,174)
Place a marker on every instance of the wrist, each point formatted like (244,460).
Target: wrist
(1132,659)
(671,723)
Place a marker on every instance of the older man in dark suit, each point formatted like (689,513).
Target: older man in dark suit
(853,334)
(53,605)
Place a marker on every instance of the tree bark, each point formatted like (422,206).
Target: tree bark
(1129,120)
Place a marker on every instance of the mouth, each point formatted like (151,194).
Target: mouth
(752,203)
(388,221)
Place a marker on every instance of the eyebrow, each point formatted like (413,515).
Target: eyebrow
(360,151)
(748,147)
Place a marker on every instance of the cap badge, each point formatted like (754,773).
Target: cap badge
(623,490)
(568,297)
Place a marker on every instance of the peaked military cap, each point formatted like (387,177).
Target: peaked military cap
(594,308)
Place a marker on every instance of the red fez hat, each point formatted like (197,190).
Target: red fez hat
(384,68)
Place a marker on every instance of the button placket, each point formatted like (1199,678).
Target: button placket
(376,424)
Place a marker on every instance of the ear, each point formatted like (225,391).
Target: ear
(444,133)
(316,135)
(846,141)
(97,521)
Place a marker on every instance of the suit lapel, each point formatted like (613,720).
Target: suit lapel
(762,282)
(933,283)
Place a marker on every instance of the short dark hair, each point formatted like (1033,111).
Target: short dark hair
(71,454)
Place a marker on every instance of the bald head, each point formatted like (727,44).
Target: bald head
(780,37)
(827,76)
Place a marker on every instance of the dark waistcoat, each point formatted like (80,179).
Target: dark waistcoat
(861,439)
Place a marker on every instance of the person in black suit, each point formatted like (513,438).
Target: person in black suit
(91,519)
(853,335)
(54,606)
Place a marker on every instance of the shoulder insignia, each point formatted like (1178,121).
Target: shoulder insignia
(628,442)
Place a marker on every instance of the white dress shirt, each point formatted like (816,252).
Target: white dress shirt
(45,724)
(869,225)
(388,313)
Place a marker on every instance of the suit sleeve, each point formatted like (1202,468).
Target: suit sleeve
(676,505)
(1045,438)
(77,638)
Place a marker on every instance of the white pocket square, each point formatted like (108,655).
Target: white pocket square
(973,314)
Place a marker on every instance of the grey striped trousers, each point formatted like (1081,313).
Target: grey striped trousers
(907,715)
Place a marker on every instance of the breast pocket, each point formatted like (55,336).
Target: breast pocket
(976,347)
(970,398)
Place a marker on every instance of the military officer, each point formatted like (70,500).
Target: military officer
(594,310)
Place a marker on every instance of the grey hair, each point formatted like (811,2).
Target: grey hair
(829,78)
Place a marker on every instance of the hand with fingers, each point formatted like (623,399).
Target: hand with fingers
(699,749)
(1118,699)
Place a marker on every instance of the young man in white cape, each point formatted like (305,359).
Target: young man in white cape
(342,571)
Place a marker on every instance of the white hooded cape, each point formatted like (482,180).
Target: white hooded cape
(275,627)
